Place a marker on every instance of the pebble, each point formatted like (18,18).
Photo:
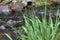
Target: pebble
(2,27)
(11,22)
(5,10)
(58,13)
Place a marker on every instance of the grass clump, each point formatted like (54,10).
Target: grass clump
(36,29)
(40,30)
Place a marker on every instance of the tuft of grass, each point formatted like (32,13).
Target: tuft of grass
(36,29)
(39,30)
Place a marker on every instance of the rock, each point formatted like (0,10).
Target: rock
(2,27)
(58,13)
(4,9)
(15,23)
(11,22)
(18,7)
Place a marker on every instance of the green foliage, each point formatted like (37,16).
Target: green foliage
(37,29)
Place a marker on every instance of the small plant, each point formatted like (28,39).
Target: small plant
(36,29)
(39,30)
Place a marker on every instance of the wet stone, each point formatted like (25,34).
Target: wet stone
(2,27)
(5,10)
